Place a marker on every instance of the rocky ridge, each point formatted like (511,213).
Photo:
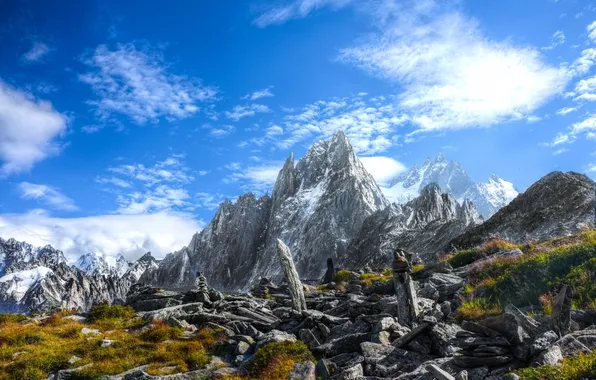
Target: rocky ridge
(558,204)
(33,279)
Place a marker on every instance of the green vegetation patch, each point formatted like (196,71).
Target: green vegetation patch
(531,278)
(582,366)
(33,351)
(342,276)
(275,361)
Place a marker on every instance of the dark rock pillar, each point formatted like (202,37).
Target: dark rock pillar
(407,303)
(330,272)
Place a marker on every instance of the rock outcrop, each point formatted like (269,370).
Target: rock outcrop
(424,225)
(558,204)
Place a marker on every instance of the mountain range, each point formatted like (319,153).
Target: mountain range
(324,205)
(488,197)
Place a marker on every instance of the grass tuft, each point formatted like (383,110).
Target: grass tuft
(276,360)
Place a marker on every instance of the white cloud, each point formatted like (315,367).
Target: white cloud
(451,74)
(36,53)
(533,119)
(151,189)
(585,89)
(222,131)
(209,201)
(113,181)
(592,31)
(239,112)
(258,178)
(264,93)
(584,63)
(28,130)
(295,9)
(383,169)
(565,110)
(370,124)
(559,151)
(130,235)
(136,84)
(203,172)
(557,39)
(47,195)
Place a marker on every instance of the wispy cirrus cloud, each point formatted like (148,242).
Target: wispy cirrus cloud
(557,39)
(37,52)
(29,129)
(139,85)
(240,112)
(142,189)
(294,9)
(264,93)
(451,74)
(370,124)
(255,178)
(48,195)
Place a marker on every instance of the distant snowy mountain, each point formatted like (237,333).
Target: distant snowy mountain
(488,197)
(98,264)
(34,279)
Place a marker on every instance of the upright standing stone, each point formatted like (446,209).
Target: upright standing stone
(561,316)
(294,284)
(330,272)
(407,303)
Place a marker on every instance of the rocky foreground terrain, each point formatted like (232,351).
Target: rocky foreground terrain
(353,325)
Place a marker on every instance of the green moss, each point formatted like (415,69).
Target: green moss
(11,318)
(368,279)
(159,332)
(103,312)
(342,276)
(478,308)
(582,366)
(273,359)
(462,258)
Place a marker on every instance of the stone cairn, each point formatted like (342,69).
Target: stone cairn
(292,278)
(355,285)
(407,303)
(202,290)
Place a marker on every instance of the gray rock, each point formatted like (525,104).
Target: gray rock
(291,275)
(570,346)
(530,325)
(344,344)
(543,341)
(354,372)
(465,361)
(275,336)
(438,373)
(303,371)
(446,284)
(87,331)
(242,348)
(507,325)
(550,356)
(309,338)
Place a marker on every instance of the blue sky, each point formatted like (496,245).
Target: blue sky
(124,124)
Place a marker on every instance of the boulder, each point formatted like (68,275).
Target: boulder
(303,371)
(291,275)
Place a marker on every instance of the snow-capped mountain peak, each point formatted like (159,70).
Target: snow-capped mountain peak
(97,264)
(488,196)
